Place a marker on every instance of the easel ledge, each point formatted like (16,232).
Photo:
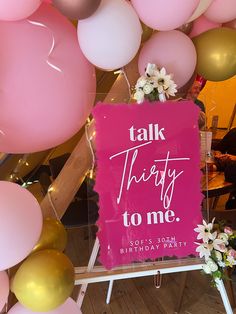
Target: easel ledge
(100,274)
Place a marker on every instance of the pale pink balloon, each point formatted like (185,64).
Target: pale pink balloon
(20,223)
(201,25)
(4,288)
(165,14)
(173,50)
(69,307)
(111,37)
(47,85)
(221,11)
(13,10)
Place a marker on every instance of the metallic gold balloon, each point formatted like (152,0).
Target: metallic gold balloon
(53,236)
(44,280)
(147,32)
(77,9)
(186,28)
(216,54)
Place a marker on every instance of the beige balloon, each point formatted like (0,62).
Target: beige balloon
(202,7)
(216,54)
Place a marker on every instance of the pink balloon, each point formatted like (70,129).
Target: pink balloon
(69,307)
(20,224)
(47,85)
(111,37)
(230,24)
(201,25)
(4,289)
(221,11)
(165,14)
(13,10)
(172,50)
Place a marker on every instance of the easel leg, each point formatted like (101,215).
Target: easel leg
(91,263)
(224,296)
(109,291)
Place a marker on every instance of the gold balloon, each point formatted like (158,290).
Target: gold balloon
(216,54)
(44,280)
(147,32)
(53,236)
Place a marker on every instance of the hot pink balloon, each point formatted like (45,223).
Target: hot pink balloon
(201,25)
(47,85)
(172,50)
(69,307)
(13,10)
(165,14)
(4,288)
(20,223)
(111,37)
(221,11)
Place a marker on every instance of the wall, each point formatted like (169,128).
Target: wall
(219,99)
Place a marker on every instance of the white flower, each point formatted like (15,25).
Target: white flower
(139,96)
(224,237)
(147,88)
(141,82)
(221,264)
(212,265)
(204,250)
(219,245)
(163,80)
(206,269)
(171,90)
(154,82)
(151,70)
(218,256)
(205,231)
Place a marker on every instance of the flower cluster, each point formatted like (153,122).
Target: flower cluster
(154,85)
(217,247)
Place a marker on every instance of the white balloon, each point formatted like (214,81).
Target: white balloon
(111,37)
(202,7)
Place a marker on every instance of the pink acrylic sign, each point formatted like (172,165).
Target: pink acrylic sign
(148,180)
